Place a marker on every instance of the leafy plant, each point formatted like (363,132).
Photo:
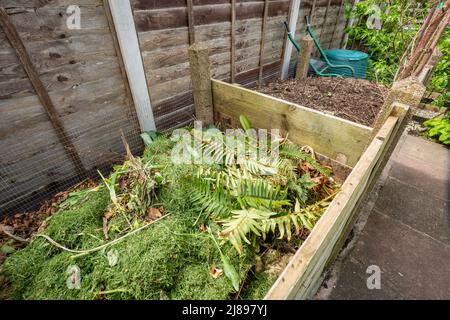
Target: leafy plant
(440,82)
(439,128)
(132,189)
(399,22)
(253,199)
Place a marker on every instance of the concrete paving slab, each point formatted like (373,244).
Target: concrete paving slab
(431,179)
(357,289)
(413,265)
(420,210)
(404,228)
(426,151)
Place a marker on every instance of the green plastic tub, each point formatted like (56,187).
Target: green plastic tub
(356,59)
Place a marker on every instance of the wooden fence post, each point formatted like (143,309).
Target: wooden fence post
(201,82)
(306,48)
(350,23)
(233,42)
(263,36)
(293,16)
(190,15)
(122,15)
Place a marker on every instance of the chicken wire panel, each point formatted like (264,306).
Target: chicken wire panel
(34,170)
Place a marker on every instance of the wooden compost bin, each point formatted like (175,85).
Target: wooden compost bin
(344,143)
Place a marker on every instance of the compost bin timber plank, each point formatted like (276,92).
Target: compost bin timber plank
(300,277)
(328,135)
(402,112)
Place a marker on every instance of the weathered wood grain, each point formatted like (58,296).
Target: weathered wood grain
(206,14)
(328,135)
(81,72)
(300,276)
(41,91)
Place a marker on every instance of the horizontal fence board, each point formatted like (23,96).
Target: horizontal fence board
(206,14)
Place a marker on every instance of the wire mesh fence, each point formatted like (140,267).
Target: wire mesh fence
(34,170)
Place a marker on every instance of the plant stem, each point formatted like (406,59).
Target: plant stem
(84,252)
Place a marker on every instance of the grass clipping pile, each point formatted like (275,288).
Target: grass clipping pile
(356,100)
(158,230)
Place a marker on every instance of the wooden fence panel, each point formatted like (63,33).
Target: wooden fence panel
(80,70)
(164,38)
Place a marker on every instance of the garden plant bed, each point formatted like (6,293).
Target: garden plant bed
(353,99)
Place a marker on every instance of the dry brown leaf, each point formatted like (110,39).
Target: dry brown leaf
(215,272)
(203,228)
(105,227)
(109,213)
(42,226)
(6,228)
(154,213)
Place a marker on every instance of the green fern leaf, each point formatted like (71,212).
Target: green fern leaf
(242,223)
(292,151)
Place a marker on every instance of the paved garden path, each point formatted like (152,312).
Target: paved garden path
(404,229)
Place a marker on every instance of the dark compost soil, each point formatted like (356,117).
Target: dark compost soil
(352,99)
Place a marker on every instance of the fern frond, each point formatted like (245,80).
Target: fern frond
(298,219)
(292,151)
(255,202)
(286,167)
(242,223)
(260,189)
(211,200)
(218,152)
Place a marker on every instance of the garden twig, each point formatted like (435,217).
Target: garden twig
(84,252)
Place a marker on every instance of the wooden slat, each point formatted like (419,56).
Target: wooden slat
(300,276)
(311,13)
(293,16)
(129,45)
(263,38)
(336,24)
(329,135)
(324,20)
(169,18)
(131,111)
(190,15)
(233,41)
(402,112)
(41,91)
(350,23)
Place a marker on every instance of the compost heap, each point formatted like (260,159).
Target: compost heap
(356,100)
(158,230)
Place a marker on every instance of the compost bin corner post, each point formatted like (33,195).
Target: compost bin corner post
(306,48)
(201,82)
(407,91)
